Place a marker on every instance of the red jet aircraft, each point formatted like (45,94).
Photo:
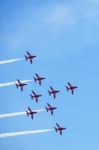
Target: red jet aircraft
(38,78)
(71,87)
(54,92)
(50,108)
(29,57)
(36,96)
(31,113)
(58,128)
(20,84)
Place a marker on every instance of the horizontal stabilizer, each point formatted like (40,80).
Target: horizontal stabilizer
(27,113)
(26,57)
(49,92)
(16,85)
(47,109)
(31,96)
(55,129)
(35,79)
(67,88)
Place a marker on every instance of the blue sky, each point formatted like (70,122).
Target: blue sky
(64,36)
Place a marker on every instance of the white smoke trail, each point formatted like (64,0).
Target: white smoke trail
(4,135)
(12,115)
(10,61)
(17,114)
(13,83)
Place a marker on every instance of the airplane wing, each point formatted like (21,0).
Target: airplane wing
(31,60)
(72,91)
(60,132)
(69,84)
(51,112)
(58,125)
(28,53)
(36,99)
(33,92)
(18,81)
(54,95)
(32,116)
(29,109)
(51,88)
(49,105)
(21,88)
(36,74)
(39,82)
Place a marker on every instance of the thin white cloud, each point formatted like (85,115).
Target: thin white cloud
(88,9)
(57,28)
(59,17)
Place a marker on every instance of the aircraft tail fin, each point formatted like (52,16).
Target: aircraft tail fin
(49,92)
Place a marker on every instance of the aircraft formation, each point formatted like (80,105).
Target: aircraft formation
(52,92)
(38,79)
